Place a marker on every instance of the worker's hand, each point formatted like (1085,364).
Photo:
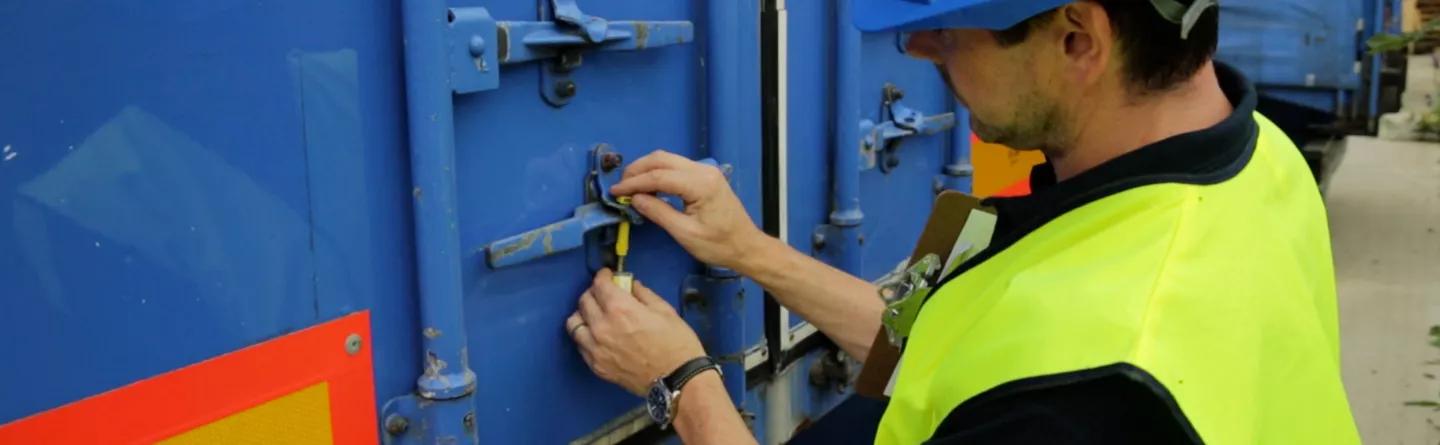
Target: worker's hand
(714,227)
(630,340)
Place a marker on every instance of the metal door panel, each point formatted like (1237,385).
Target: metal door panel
(521,164)
(184,179)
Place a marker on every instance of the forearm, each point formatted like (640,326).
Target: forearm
(844,307)
(706,415)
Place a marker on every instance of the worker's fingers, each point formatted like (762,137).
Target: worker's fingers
(661,213)
(590,311)
(580,332)
(649,297)
(573,321)
(672,182)
(610,295)
(659,159)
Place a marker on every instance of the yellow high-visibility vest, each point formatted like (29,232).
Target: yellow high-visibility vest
(1223,292)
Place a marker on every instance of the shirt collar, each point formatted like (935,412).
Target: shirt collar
(1206,156)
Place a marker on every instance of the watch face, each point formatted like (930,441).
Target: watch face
(658,403)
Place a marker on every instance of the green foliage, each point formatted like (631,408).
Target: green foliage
(1384,43)
(1432,405)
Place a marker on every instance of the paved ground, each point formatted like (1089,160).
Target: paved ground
(1384,205)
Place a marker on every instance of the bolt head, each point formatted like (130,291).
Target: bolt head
(818,240)
(469,421)
(353,344)
(396,424)
(610,161)
(477,46)
(566,89)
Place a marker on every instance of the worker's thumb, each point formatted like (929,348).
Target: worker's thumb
(678,224)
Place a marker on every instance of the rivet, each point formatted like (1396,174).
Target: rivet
(396,424)
(566,89)
(352,344)
(477,46)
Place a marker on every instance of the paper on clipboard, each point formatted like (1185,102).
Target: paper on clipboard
(975,237)
(948,218)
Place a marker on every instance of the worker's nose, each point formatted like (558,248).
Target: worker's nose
(926,45)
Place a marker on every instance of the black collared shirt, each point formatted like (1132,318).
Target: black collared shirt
(1121,403)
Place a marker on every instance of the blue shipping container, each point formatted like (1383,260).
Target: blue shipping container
(183,179)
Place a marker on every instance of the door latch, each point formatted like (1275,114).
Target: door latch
(601,210)
(879,141)
(564,33)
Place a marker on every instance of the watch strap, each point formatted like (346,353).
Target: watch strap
(689,370)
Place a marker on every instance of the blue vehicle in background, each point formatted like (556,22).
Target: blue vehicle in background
(1308,60)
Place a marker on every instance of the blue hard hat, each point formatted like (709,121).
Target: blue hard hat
(920,15)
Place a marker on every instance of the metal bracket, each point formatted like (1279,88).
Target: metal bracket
(410,420)
(479,44)
(601,210)
(882,139)
(714,303)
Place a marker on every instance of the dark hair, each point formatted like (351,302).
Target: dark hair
(1155,57)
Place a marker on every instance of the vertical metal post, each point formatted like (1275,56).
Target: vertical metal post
(1377,25)
(959,173)
(725,137)
(447,380)
(845,216)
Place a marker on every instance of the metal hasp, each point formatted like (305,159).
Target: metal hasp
(446,385)
(560,38)
(838,243)
(882,139)
(601,209)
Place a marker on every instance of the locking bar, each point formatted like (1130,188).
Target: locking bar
(479,44)
(601,209)
(566,235)
(880,140)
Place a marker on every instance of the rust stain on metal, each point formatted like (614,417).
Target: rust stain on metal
(526,240)
(549,243)
(546,236)
(431,333)
(642,34)
(434,367)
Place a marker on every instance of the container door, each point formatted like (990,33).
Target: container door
(526,159)
(208,176)
(899,120)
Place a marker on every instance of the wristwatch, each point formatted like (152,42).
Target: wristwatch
(665,391)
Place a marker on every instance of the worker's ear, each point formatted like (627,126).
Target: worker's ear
(1087,40)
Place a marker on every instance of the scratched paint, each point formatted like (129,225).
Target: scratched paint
(642,34)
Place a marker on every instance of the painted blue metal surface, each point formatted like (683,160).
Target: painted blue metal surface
(839,241)
(214,174)
(1305,52)
(894,203)
(1292,42)
(959,173)
(446,383)
(207,176)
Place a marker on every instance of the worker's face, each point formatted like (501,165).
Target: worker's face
(1003,87)
(1026,95)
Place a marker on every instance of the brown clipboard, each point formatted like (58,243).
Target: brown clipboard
(948,216)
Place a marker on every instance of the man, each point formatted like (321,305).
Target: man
(1169,279)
